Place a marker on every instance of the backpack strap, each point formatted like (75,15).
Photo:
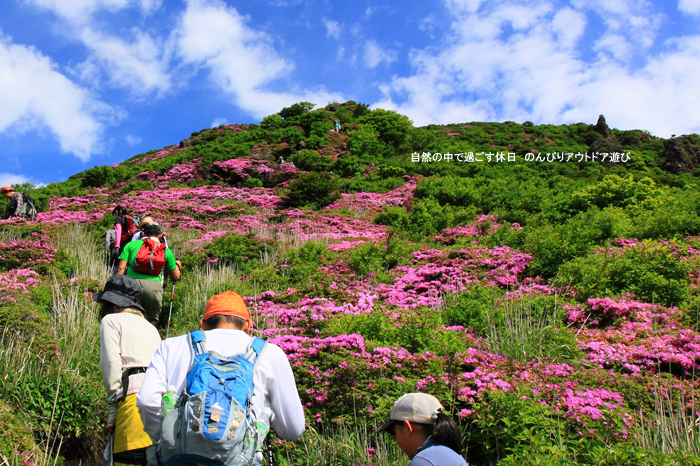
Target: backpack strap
(254,350)
(197,343)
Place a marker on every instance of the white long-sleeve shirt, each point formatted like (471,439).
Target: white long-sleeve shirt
(273,381)
(126,341)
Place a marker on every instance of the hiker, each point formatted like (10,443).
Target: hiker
(21,205)
(427,435)
(124,229)
(127,344)
(226,326)
(145,260)
(145,220)
(337,127)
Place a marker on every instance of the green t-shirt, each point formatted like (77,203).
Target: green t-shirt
(129,255)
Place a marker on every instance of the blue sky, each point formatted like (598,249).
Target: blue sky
(94,82)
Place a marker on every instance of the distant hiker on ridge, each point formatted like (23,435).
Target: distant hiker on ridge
(21,205)
(145,260)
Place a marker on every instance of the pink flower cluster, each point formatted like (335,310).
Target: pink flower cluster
(376,202)
(482,226)
(245,167)
(16,281)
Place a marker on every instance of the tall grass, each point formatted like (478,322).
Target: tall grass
(76,328)
(341,445)
(77,242)
(8,234)
(674,426)
(205,282)
(525,329)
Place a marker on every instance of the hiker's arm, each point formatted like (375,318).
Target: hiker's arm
(121,267)
(149,397)
(288,420)
(118,239)
(111,364)
(177,273)
(172,266)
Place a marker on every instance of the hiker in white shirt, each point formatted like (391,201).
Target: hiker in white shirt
(226,324)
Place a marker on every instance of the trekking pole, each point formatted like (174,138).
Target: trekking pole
(269,451)
(170,314)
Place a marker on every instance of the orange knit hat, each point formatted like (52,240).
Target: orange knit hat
(227,303)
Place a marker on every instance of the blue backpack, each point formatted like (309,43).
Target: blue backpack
(213,423)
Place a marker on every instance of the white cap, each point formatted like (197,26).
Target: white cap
(415,407)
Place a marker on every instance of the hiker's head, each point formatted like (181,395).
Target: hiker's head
(120,292)
(7,190)
(152,230)
(415,417)
(120,211)
(226,310)
(145,221)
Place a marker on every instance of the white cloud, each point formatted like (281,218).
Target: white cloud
(241,61)
(341,52)
(81,11)
(691,7)
(333,28)
(137,65)
(33,93)
(218,122)
(9,178)
(537,73)
(132,141)
(375,55)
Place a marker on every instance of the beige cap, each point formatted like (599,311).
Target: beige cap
(145,221)
(414,407)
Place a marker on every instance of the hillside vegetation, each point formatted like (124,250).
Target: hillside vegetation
(549,297)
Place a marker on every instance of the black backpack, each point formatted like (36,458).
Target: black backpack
(28,207)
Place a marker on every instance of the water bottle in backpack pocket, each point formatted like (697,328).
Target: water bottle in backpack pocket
(214,423)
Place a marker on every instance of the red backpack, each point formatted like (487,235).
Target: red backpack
(128,228)
(150,260)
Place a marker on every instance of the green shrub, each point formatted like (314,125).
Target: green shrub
(296,110)
(366,258)
(425,218)
(15,435)
(513,428)
(243,250)
(392,128)
(252,183)
(551,245)
(620,192)
(313,190)
(137,186)
(472,307)
(310,160)
(653,272)
(98,176)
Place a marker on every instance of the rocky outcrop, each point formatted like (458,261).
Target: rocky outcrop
(607,144)
(602,127)
(682,153)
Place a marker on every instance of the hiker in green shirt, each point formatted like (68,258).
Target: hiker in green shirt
(144,260)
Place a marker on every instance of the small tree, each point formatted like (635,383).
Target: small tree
(314,189)
(296,109)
